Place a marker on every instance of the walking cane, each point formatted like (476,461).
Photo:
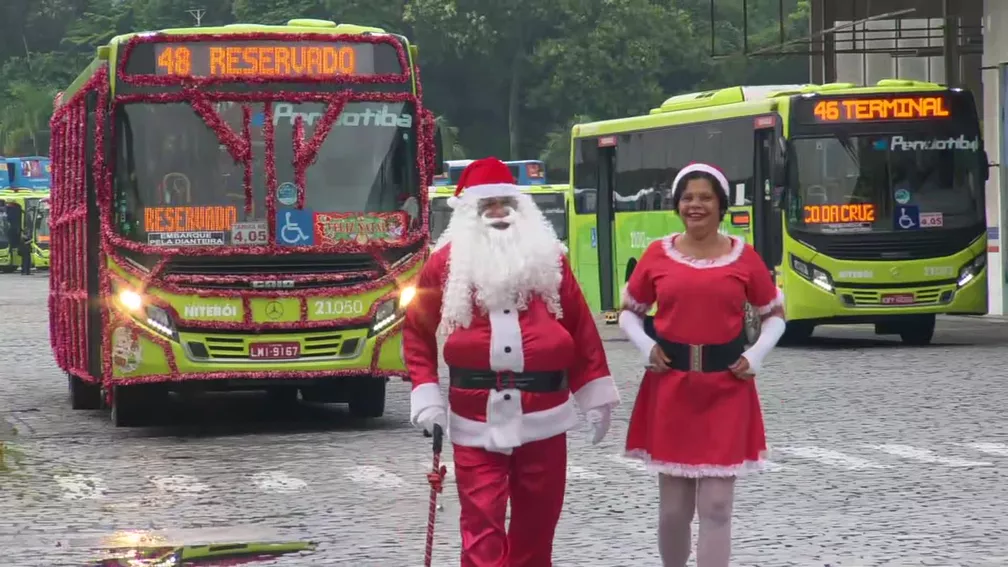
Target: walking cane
(439,470)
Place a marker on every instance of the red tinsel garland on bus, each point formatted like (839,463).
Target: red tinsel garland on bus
(69,347)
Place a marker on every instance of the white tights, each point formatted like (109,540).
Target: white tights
(678,498)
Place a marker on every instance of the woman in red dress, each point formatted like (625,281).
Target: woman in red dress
(697,420)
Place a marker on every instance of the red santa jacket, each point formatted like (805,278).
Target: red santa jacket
(533,339)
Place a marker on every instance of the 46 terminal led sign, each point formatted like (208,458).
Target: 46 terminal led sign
(881,109)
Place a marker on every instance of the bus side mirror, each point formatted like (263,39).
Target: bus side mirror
(779,166)
(985,165)
(438,152)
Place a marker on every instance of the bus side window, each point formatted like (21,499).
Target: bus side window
(585,175)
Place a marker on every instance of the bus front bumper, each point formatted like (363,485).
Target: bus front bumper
(807,301)
(241,360)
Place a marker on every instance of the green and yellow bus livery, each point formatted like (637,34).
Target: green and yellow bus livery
(204,246)
(867,203)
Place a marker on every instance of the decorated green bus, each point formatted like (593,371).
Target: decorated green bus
(239,208)
(865,202)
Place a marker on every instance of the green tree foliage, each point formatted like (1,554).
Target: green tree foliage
(507,78)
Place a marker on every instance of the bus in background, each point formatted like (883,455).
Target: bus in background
(32,172)
(525,171)
(554,201)
(163,281)
(866,203)
(37,227)
(30,202)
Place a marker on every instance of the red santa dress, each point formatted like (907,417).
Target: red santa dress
(688,423)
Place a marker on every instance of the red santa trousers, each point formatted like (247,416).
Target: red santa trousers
(534,476)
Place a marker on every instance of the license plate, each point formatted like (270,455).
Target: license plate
(897,299)
(274,351)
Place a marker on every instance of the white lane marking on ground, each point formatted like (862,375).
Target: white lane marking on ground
(375,476)
(178,484)
(927,456)
(278,481)
(575,472)
(829,457)
(80,487)
(999,449)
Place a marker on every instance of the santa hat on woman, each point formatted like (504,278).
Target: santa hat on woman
(484,179)
(696,167)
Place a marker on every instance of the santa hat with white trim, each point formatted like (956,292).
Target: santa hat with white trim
(483,179)
(696,167)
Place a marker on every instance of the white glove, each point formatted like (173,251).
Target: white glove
(429,417)
(599,420)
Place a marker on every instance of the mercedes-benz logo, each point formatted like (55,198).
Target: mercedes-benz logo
(274,310)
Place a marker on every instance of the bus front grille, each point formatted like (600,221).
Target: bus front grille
(915,245)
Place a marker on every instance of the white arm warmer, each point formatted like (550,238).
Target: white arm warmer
(633,325)
(771,331)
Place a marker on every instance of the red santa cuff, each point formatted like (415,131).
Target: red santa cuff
(597,393)
(425,396)
(631,304)
(776,302)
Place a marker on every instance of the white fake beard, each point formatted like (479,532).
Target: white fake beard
(498,268)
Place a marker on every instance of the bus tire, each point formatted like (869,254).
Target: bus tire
(132,404)
(367,397)
(797,332)
(919,331)
(84,395)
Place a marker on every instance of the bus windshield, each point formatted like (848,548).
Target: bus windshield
(440,214)
(868,183)
(42,227)
(554,208)
(174,176)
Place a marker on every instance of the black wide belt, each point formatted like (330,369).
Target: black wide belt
(698,358)
(506,380)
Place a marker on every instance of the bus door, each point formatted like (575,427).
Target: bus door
(766,222)
(605,214)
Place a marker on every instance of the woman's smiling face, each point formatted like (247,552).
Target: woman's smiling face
(699,206)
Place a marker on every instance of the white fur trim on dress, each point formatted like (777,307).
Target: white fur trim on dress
(744,468)
(776,302)
(597,393)
(534,426)
(631,304)
(704,168)
(477,192)
(738,247)
(425,396)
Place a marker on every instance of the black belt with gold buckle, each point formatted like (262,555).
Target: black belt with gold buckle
(554,381)
(698,358)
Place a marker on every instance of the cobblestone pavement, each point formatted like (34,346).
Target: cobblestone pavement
(884,455)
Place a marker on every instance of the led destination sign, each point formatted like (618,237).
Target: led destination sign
(839,214)
(881,109)
(302,59)
(189,219)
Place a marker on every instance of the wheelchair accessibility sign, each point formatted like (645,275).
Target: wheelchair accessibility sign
(295,227)
(906,217)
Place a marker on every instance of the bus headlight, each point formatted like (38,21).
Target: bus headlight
(972,269)
(818,276)
(153,316)
(392,310)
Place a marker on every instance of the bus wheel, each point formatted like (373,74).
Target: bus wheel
(919,331)
(132,405)
(84,395)
(797,332)
(367,397)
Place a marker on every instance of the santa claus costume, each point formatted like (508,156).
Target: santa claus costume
(522,349)
(697,418)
